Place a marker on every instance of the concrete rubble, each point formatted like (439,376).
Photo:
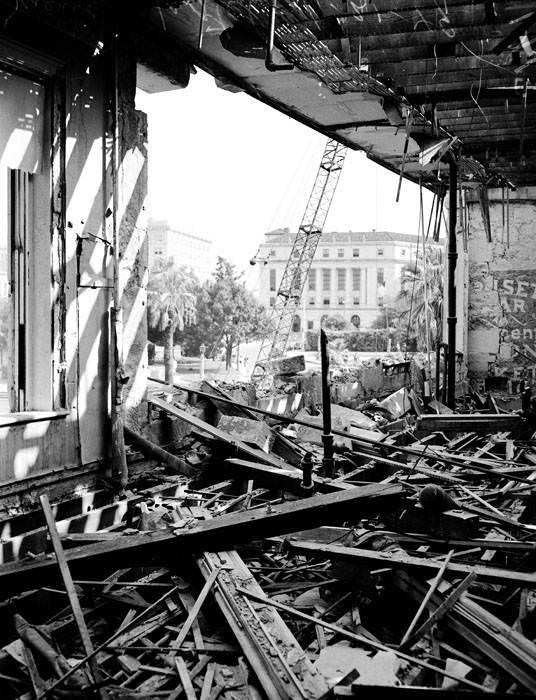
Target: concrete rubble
(234,568)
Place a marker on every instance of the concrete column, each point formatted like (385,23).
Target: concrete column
(501,304)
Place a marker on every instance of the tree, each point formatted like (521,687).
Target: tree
(171,301)
(333,323)
(411,299)
(227,313)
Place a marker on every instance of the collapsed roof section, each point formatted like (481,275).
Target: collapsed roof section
(402,80)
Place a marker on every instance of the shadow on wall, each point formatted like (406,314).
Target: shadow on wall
(83,436)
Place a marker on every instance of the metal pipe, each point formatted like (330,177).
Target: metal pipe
(451,282)
(438,370)
(306,466)
(269,62)
(201,25)
(445,373)
(327,435)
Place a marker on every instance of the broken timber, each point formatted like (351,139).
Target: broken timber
(281,479)
(279,662)
(401,560)
(216,534)
(238,445)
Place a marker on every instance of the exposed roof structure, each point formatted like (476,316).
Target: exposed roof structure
(403,80)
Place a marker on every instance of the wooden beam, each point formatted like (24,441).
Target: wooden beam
(257,454)
(216,534)
(396,560)
(280,479)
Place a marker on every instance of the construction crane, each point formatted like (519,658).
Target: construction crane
(301,256)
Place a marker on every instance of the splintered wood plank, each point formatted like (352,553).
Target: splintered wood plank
(207,681)
(194,612)
(397,560)
(71,591)
(185,679)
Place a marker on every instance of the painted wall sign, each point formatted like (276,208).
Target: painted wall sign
(517,297)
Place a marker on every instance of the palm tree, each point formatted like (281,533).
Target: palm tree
(171,304)
(411,299)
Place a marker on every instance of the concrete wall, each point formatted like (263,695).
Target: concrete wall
(501,309)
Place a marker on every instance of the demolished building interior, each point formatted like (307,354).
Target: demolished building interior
(350,534)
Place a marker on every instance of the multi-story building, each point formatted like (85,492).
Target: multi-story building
(354,275)
(168,243)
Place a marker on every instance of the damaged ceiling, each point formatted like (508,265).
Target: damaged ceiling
(402,80)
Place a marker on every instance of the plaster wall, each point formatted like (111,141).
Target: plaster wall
(501,304)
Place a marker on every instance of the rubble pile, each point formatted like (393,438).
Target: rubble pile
(236,567)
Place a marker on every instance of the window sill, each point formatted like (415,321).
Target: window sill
(23,417)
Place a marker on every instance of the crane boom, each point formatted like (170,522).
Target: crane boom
(301,256)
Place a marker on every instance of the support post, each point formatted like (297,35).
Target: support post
(451,283)
(327,435)
(438,370)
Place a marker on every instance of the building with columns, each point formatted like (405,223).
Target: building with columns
(354,275)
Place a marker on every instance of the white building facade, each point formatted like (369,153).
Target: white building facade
(185,249)
(354,275)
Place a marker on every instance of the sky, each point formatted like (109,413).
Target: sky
(227,167)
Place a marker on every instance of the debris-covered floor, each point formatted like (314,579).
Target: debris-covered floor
(234,568)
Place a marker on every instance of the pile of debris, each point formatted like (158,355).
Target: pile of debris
(236,566)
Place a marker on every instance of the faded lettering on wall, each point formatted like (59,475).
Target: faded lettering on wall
(517,297)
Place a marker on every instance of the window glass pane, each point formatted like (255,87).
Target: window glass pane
(356,279)
(380,275)
(326,279)
(312,280)
(341,279)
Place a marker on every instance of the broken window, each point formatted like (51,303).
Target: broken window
(341,279)
(25,286)
(273,280)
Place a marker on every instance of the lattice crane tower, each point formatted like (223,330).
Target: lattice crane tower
(301,256)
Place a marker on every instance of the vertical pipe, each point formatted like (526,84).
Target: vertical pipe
(118,454)
(445,373)
(327,437)
(438,368)
(451,289)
